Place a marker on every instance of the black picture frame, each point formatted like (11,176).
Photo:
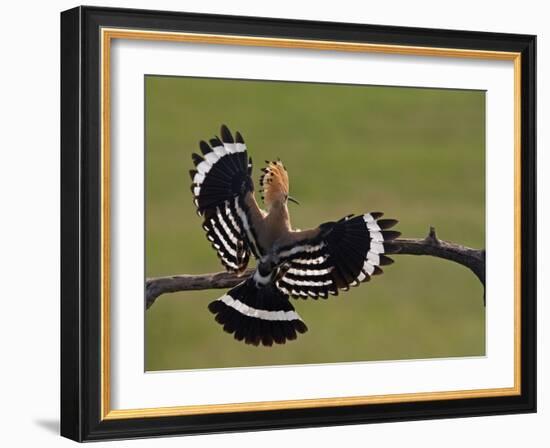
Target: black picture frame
(81,224)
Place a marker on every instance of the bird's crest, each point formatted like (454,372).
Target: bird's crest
(274,182)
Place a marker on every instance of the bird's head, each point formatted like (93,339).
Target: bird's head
(274,185)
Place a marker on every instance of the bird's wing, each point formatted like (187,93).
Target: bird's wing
(223,194)
(336,255)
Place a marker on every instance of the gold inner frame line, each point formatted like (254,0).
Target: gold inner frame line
(107,35)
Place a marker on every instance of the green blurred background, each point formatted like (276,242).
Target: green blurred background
(416,154)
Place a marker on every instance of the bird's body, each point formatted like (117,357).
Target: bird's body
(314,263)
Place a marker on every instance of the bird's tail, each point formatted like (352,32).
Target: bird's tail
(257,315)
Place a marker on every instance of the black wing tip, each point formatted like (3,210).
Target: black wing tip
(255,331)
(215,142)
(215,307)
(387,223)
(205,147)
(390,234)
(196,158)
(300,326)
(239,138)
(226,134)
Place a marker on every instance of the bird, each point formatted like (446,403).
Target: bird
(290,263)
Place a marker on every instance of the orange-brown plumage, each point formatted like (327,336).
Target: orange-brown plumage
(274,183)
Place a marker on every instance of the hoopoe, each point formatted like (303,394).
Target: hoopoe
(290,263)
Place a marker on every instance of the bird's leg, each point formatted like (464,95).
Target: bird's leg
(264,272)
(269,270)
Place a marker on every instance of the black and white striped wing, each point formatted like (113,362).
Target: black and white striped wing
(224,230)
(343,254)
(221,182)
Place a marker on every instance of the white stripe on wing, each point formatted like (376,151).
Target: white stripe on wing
(243,308)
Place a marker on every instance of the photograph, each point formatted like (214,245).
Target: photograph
(278,205)
(272,223)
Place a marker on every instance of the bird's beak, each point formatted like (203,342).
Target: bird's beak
(291,199)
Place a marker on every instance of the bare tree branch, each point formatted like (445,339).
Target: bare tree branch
(154,287)
(473,259)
